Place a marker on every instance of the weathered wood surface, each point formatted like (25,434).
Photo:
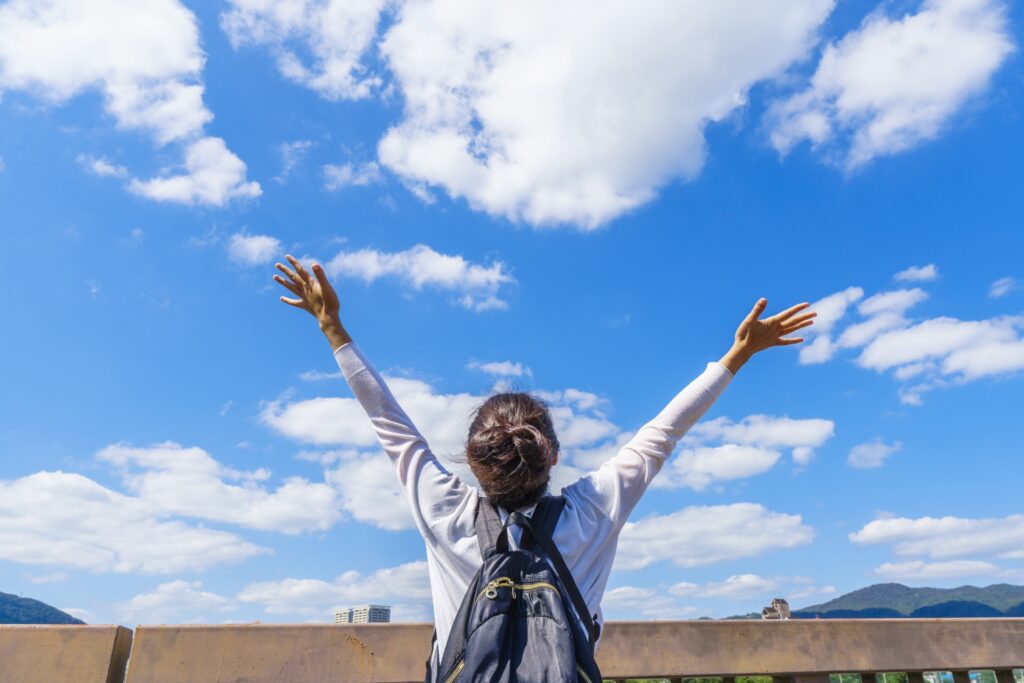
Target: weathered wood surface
(394,653)
(63,654)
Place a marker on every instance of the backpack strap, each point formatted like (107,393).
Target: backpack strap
(488,525)
(545,515)
(549,548)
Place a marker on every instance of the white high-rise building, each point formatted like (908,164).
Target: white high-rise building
(364,614)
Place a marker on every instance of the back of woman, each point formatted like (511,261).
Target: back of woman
(511,448)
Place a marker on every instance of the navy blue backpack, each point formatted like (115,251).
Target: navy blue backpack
(518,622)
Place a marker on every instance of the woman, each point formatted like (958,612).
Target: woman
(511,448)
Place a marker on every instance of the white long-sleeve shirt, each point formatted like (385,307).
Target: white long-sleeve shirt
(596,508)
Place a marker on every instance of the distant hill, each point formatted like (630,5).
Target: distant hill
(894,600)
(18,610)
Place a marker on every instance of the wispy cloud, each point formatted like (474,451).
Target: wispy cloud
(918,274)
(339,176)
(101,166)
(252,250)
(871,454)
(1003,286)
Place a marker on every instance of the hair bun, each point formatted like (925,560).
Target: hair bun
(511,447)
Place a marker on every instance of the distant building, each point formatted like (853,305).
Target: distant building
(778,610)
(364,614)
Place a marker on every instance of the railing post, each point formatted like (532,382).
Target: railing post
(961,677)
(1005,676)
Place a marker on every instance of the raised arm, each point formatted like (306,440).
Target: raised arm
(432,491)
(618,484)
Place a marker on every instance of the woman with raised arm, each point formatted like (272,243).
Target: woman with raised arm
(511,448)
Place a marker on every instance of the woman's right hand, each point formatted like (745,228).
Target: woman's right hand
(315,296)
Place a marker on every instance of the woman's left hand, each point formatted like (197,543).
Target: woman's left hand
(755,334)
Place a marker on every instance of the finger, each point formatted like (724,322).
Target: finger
(289,272)
(789,329)
(789,312)
(321,277)
(293,288)
(297,303)
(298,267)
(800,318)
(789,341)
(757,310)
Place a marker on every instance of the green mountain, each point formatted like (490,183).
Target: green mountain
(897,600)
(18,610)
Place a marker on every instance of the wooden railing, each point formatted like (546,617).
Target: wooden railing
(796,651)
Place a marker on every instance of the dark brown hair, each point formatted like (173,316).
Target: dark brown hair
(511,448)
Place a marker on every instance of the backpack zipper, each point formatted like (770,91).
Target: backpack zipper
(457,670)
(491,589)
(580,671)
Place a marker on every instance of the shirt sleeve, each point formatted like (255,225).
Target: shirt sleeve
(436,496)
(616,487)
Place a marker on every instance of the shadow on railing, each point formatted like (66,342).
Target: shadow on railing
(797,651)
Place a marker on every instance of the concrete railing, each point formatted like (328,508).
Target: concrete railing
(796,651)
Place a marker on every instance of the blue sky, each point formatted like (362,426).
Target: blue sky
(585,210)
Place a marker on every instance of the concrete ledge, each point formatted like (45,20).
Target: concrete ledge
(63,654)
(808,647)
(307,653)
(394,653)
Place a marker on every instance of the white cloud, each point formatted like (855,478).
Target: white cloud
(968,349)
(697,468)
(407,584)
(918,570)
(768,432)
(871,453)
(894,83)
(317,43)
(741,586)
(477,287)
(700,535)
(64,519)
(504,368)
(947,537)
(337,177)
(933,352)
(1003,286)
(101,166)
(918,274)
(212,175)
(144,57)
(189,482)
(745,449)
(173,602)
(367,485)
(557,113)
(547,113)
(252,250)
